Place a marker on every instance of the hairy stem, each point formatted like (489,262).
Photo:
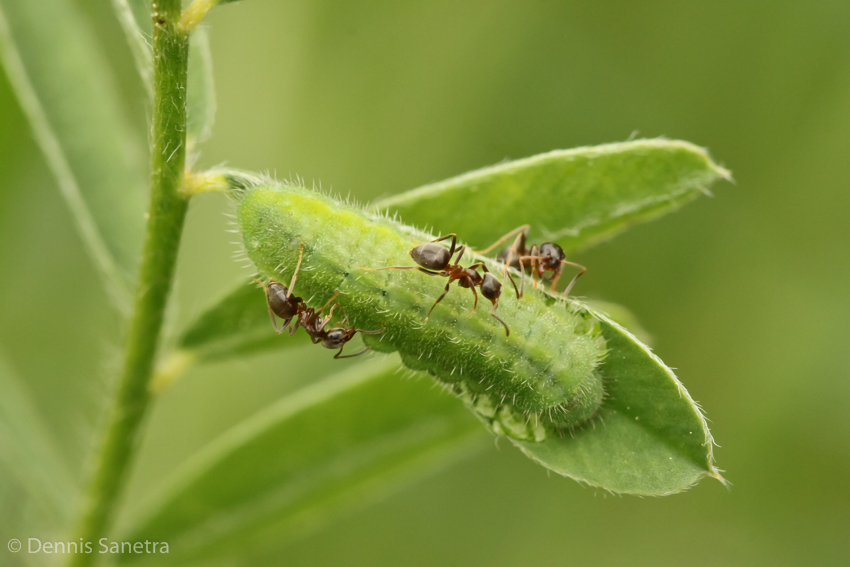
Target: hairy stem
(164,227)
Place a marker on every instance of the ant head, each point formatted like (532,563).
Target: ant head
(337,337)
(554,254)
(431,256)
(282,306)
(491,288)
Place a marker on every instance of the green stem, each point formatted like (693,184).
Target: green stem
(164,227)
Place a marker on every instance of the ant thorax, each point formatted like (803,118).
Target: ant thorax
(469,278)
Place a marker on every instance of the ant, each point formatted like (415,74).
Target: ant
(435,260)
(282,303)
(548,257)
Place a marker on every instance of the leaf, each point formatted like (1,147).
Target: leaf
(201,89)
(68,94)
(327,447)
(134,17)
(649,437)
(28,453)
(573,197)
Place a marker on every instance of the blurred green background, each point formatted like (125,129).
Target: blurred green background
(746,293)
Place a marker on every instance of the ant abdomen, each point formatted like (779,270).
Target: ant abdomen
(431,256)
(280,301)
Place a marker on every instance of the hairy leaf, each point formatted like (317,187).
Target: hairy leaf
(290,467)
(573,197)
(68,94)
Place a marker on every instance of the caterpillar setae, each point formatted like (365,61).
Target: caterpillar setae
(540,380)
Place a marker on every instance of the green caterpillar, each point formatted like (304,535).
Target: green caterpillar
(544,378)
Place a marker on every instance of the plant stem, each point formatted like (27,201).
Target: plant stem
(164,227)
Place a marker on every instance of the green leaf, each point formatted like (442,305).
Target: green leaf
(28,453)
(68,94)
(573,197)
(201,93)
(302,460)
(649,437)
(134,17)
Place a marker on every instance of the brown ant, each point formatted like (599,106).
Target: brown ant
(548,257)
(282,303)
(435,260)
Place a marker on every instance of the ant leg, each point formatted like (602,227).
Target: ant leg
(438,300)
(329,316)
(294,327)
(364,351)
(513,283)
(453,236)
(518,248)
(285,325)
(520,229)
(573,281)
(328,303)
(268,305)
(522,279)
(295,274)
(494,316)
(475,293)
(460,252)
(535,264)
(556,275)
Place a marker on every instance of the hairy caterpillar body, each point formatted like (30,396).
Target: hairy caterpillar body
(544,378)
